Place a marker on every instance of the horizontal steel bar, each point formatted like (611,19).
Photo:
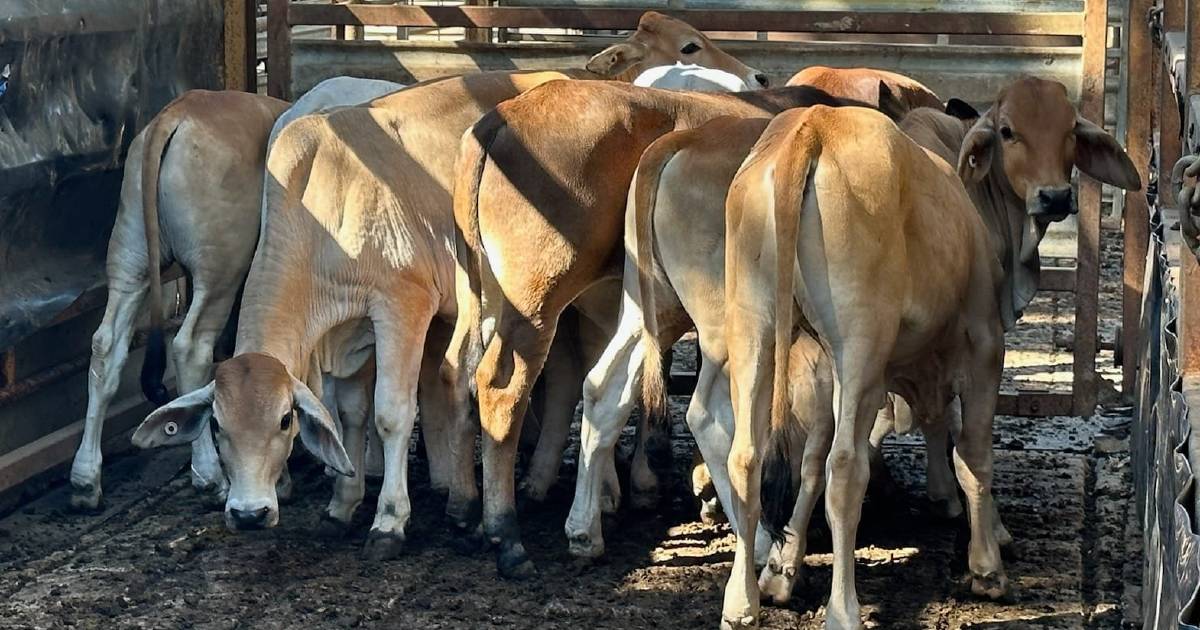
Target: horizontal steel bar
(720,20)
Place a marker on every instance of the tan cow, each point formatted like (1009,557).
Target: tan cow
(662,40)
(846,200)
(357,225)
(540,198)
(191,170)
(862,84)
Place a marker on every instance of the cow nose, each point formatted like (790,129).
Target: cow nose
(249,519)
(1056,201)
(762,79)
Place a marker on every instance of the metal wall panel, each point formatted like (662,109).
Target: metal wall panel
(85,77)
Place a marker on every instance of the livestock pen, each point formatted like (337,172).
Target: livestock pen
(1093,407)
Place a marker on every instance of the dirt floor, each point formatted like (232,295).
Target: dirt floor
(156,558)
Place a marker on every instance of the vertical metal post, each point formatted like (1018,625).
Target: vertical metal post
(235,40)
(1087,267)
(279,50)
(1139,65)
(481,35)
(1189,276)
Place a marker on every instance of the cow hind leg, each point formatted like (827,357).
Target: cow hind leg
(192,350)
(608,399)
(506,374)
(786,562)
(973,462)
(110,349)
(940,485)
(436,421)
(399,343)
(353,401)
(563,385)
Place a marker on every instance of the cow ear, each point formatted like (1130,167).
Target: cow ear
(961,110)
(889,104)
(317,430)
(178,422)
(615,59)
(975,157)
(1098,154)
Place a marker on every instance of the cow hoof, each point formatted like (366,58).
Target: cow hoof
(383,546)
(86,498)
(775,583)
(992,586)
(739,624)
(468,541)
(948,509)
(582,545)
(514,564)
(711,512)
(533,492)
(332,529)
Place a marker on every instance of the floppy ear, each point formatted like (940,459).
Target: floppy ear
(961,110)
(975,157)
(178,422)
(615,59)
(317,430)
(1098,154)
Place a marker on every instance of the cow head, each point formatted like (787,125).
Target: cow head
(256,409)
(1026,146)
(1035,135)
(661,41)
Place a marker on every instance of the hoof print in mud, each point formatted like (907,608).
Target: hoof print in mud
(383,546)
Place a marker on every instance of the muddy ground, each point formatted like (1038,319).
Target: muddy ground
(156,558)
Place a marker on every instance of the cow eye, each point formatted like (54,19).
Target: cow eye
(1006,133)
(690,48)
(285,423)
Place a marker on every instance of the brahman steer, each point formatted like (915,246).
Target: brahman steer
(357,226)
(194,171)
(540,196)
(197,140)
(818,194)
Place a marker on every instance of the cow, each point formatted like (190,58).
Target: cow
(192,136)
(863,84)
(850,203)
(661,40)
(192,170)
(540,195)
(357,225)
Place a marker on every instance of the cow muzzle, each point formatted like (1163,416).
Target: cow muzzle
(242,519)
(1052,204)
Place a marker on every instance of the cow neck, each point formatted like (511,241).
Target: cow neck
(1014,239)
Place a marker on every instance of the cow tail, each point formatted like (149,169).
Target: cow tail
(468,242)
(779,486)
(645,196)
(158,136)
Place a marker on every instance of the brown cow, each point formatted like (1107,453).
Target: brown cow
(860,210)
(661,40)
(540,196)
(862,84)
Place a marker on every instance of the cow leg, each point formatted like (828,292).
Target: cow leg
(110,349)
(563,381)
(608,399)
(973,461)
(192,350)
(462,505)
(786,562)
(941,487)
(705,491)
(506,374)
(399,344)
(353,401)
(434,399)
